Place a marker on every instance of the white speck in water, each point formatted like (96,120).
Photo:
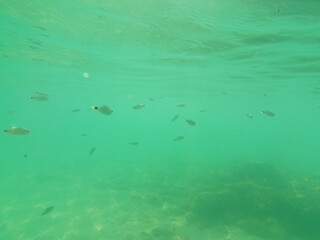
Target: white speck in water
(85,75)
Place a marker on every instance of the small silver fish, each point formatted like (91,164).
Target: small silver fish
(179,138)
(76,110)
(191,122)
(249,115)
(138,106)
(39,98)
(92,151)
(133,143)
(42,94)
(103,109)
(268,113)
(181,105)
(25,155)
(17,131)
(48,210)
(174,118)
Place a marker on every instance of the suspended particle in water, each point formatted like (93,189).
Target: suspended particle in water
(85,75)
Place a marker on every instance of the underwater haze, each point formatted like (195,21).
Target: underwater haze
(160,120)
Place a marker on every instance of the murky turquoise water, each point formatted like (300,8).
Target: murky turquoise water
(147,173)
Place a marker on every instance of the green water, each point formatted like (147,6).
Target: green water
(230,177)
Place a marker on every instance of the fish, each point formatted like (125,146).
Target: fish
(133,143)
(249,115)
(25,155)
(268,113)
(76,110)
(42,94)
(191,122)
(202,110)
(37,59)
(83,134)
(181,105)
(39,98)
(41,28)
(174,118)
(103,109)
(138,106)
(179,138)
(48,210)
(92,151)
(17,131)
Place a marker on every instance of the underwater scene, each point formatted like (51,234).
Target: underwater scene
(160,120)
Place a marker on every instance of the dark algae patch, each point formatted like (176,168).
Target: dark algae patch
(48,210)
(260,200)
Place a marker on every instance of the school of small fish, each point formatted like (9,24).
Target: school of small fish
(106,110)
